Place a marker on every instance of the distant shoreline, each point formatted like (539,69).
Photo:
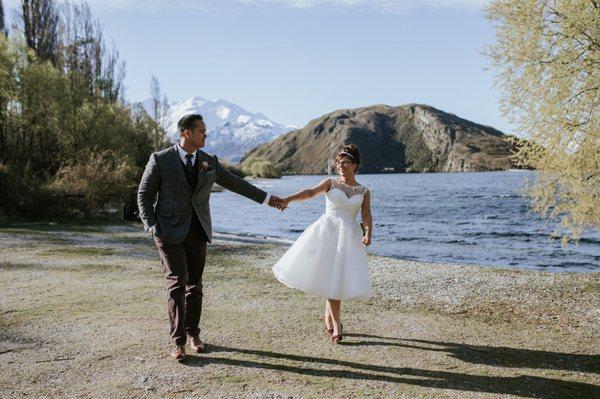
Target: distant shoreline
(390,173)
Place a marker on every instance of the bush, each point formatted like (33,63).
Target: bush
(95,181)
(265,169)
(247,164)
(24,195)
(260,167)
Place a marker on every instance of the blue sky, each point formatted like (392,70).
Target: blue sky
(295,60)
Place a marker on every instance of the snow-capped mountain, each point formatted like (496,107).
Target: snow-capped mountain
(232,131)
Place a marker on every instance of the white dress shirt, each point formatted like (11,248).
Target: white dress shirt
(183,153)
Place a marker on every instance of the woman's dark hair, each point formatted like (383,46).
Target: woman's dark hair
(350,152)
(188,122)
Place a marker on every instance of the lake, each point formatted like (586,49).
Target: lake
(472,218)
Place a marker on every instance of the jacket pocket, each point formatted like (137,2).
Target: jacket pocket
(168,217)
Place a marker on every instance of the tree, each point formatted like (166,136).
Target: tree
(160,105)
(2,23)
(84,57)
(547,53)
(68,143)
(40,24)
(61,146)
(8,87)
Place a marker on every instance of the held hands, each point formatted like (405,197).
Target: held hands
(279,203)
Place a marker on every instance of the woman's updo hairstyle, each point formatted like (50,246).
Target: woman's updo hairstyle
(350,152)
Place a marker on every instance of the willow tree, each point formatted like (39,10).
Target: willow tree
(547,54)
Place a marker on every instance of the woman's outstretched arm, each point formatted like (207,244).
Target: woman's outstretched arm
(367,218)
(309,193)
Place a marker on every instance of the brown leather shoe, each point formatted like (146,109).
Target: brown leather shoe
(178,353)
(197,344)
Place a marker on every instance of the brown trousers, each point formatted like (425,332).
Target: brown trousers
(183,265)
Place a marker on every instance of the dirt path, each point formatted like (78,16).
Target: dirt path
(83,314)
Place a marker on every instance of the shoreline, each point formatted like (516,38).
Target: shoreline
(229,237)
(250,239)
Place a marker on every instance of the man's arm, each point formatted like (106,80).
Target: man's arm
(147,193)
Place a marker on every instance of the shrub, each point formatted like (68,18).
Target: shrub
(260,167)
(24,195)
(247,164)
(93,182)
(265,169)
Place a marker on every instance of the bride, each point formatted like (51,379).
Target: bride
(329,259)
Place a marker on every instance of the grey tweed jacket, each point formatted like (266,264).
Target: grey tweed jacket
(166,201)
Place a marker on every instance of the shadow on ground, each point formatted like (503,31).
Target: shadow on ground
(524,386)
(498,356)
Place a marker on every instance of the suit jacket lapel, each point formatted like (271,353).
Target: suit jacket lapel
(176,161)
(202,156)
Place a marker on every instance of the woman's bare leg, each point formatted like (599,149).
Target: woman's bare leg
(334,311)
(328,320)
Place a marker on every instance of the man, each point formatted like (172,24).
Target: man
(179,221)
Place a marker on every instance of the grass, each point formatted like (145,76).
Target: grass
(83,314)
(76,252)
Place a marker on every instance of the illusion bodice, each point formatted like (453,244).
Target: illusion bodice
(343,200)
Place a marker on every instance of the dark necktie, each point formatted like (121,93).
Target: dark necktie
(188,164)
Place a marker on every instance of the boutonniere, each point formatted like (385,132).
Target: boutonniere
(204,167)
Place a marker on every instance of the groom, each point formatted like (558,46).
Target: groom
(179,220)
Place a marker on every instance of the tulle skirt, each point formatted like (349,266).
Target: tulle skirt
(328,260)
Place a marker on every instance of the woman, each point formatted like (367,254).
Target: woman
(329,259)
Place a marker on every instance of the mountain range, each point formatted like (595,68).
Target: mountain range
(232,131)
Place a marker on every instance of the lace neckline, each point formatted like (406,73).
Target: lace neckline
(348,190)
(358,187)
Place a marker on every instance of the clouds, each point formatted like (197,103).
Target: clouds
(387,6)
(394,6)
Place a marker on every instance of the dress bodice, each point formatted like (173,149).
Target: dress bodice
(343,200)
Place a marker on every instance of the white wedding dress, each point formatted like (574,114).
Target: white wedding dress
(329,258)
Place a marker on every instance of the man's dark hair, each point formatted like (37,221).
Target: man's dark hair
(188,122)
